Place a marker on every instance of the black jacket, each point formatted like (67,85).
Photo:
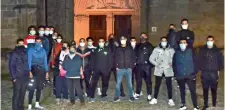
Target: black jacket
(18,63)
(144,51)
(125,58)
(186,34)
(85,60)
(101,60)
(51,42)
(210,59)
(171,37)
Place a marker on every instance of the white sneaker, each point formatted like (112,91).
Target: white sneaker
(197,108)
(85,94)
(183,108)
(99,91)
(29,107)
(153,101)
(37,106)
(171,102)
(141,94)
(57,101)
(137,96)
(149,98)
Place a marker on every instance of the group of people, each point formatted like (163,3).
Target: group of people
(74,64)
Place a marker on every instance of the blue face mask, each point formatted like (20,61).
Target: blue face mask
(164,44)
(38,46)
(71,52)
(183,46)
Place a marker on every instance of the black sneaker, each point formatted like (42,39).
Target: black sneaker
(116,99)
(205,107)
(131,99)
(103,99)
(72,102)
(122,94)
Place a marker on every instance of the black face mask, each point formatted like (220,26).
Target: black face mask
(63,48)
(170,30)
(143,39)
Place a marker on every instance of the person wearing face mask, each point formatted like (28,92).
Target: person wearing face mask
(134,46)
(45,41)
(162,58)
(112,45)
(19,73)
(125,62)
(48,35)
(185,69)
(144,67)
(38,67)
(210,63)
(171,36)
(29,40)
(72,64)
(101,64)
(85,55)
(185,33)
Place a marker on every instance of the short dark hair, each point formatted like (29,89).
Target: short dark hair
(82,39)
(210,36)
(172,25)
(185,19)
(41,26)
(90,38)
(67,43)
(37,38)
(163,37)
(60,35)
(51,27)
(101,38)
(19,40)
(143,33)
(132,38)
(182,39)
(72,42)
(29,28)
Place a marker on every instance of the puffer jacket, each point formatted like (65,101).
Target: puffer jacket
(185,64)
(18,63)
(210,59)
(162,59)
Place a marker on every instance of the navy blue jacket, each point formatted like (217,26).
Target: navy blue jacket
(18,65)
(72,66)
(186,34)
(45,43)
(184,64)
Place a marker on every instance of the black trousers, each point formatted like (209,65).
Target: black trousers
(19,91)
(209,80)
(192,86)
(121,86)
(94,81)
(74,85)
(144,71)
(134,71)
(87,76)
(158,81)
(39,80)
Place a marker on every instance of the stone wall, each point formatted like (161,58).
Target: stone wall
(206,18)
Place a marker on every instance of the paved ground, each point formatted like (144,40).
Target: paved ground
(141,104)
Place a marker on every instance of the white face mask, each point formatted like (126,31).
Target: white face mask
(163,44)
(46,32)
(209,43)
(133,44)
(54,37)
(32,32)
(90,43)
(123,42)
(50,32)
(59,40)
(101,44)
(82,44)
(41,33)
(184,26)
(183,46)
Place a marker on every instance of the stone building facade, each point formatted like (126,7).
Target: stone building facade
(76,18)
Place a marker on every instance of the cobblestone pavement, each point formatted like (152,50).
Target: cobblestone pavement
(124,104)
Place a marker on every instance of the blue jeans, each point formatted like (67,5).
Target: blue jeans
(128,75)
